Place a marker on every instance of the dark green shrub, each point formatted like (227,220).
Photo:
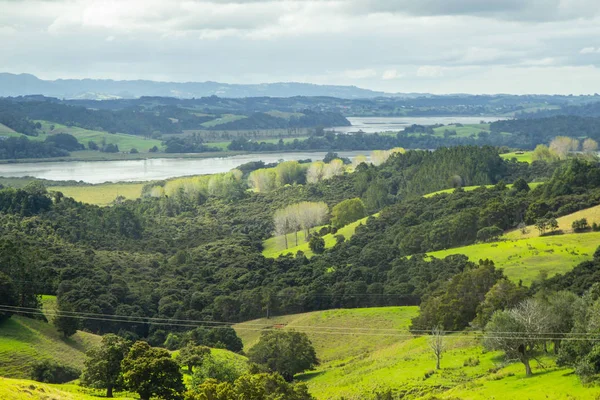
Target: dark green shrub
(49,371)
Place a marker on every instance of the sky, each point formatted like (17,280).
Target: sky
(433,46)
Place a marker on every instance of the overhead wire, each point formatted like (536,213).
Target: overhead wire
(331,330)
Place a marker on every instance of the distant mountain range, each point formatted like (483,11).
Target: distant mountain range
(104,89)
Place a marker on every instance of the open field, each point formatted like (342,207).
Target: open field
(526,156)
(124,141)
(331,331)
(223,120)
(462,131)
(523,259)
(24,341)
(363,351)
(564,223)
(532,185)
(21,389)
(103,194)
(275,246)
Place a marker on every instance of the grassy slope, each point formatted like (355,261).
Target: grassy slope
(6,131)
(20,389)
(564,223)
(356,365)
(24,341)
(527,156)
(523,259)
(102,194)
(124,141)
(223,120)
(275,246)
(532,185)
(462,131)
(336,346)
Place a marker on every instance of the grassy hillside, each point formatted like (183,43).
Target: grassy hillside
(24,341)
(6,131)
(532,185)
(103,194)
(564,223)
(462,131)
(526,156)
(337,334)
(523,259)
(275,246)
(125,142)
(21,389)
(363,351)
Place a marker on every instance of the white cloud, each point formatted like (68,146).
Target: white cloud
(370,43)
(590,50)
(391,74)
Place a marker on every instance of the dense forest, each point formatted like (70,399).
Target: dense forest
(199,258)
(149,119)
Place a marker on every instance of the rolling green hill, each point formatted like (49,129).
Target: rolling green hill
(363,351)
(21,389)
(565,223)
(524,259)
(124,141)
(275,246)
(333,332)
(103,194)
(24,341)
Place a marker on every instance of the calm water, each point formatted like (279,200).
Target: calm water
(148,170)
(384,124)
(163,168)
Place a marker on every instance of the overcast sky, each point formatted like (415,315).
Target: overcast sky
(437,46)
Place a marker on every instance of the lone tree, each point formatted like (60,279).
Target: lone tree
(285,352)
(347,211)
(436,343)
(150,371)
(103,364)
(191,356)
(519,331)
(64,321)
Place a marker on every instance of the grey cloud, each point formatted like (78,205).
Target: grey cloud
(518,10)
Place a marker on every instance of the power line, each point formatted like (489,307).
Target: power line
(311,329)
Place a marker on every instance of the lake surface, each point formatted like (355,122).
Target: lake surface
(149,170)
(385,124)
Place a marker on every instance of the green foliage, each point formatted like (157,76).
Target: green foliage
(192,356)
(580,225)
(347,212)
(455,304)
(317,244)
(517,332)
(150,371)
(489,233)
(285,352)
(250,387)
(8,295)
(48,371)
(64,321)
(222,370)
(503,295)
(103,364)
